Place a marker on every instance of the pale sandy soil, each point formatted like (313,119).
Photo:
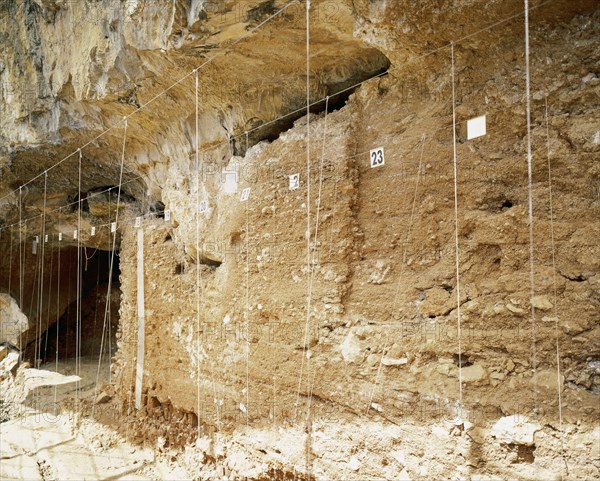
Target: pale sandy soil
(48,439)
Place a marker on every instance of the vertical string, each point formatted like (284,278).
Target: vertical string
(314,247)
(10,260)
(456,249)
(106,328)
(57,307)
(42,245)
(308,184)
(198,273)
(400,278)
(49,299)
(308,207)
(21,269)
(247,312)
(530,212)
(555,290)
(78,299)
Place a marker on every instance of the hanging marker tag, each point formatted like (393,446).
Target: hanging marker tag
(203,206)
(377,157)
(167,215)
(46,238)
(34,246)
(294,181)
(36,239)
(476,127)
(245,194)
(93,231)
(113,227)
(75,234)
(59,236)
(138,222)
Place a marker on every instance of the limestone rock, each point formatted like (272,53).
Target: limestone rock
(436,302)
(379,273)
(515,429)
(13,322)
(350,348)
(404,476)
(354,463)
(548,380)
(542,303)
(388,361)
(399,457)
(474,373)
(102,398)
(514,309)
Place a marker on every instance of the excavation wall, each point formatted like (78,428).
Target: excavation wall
(315,330)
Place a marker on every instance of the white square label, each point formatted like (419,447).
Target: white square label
(138,222)
(245,194)
(294,181)
(377,157)
(476,127)
(113,227)
(59,236)
(203,206)
(75,234)
(230,181)
(167,215)
(93,231)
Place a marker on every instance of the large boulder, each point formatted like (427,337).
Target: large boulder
(12,321)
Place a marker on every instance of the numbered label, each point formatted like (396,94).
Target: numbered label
(113,227)
(167,215)
(34,246)
(46,238)
(203,206)
(59,236)
(138,222)
(377,157)
(294,181)
(93,231)
(245,194)
(75,234)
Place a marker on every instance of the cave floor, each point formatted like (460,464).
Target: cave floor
(48,438)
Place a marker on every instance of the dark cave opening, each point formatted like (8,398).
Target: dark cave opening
(96,312)
(270,131)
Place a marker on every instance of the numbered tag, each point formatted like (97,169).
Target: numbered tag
(75,234)
(203,206)
(46,238)
(59,236)
(36,239)
(138,222)
(34,246)
(294,181)
(93,231)
(245,194)
(377,158)
(476,127)
(113,227)
(167,215)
